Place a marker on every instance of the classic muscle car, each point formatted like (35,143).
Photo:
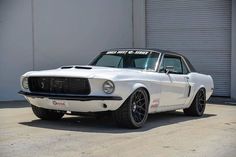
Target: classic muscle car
(128,83)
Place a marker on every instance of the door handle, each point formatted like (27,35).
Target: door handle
(186,77)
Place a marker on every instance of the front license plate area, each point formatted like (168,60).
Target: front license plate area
(58,103)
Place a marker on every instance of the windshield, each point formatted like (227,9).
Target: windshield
(127,59)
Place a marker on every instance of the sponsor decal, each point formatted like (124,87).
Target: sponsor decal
(155,104)
(56,103)
(141,52)
(128,52)
(131,52)
(111,52)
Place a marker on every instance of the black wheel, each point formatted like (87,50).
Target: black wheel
(198,105)
(133,113)
(46,114)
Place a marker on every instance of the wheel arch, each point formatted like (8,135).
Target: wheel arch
(199,88)
(196,91)
(140,85)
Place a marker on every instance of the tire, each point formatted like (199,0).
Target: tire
(134,111)
(198,105)
(46,114)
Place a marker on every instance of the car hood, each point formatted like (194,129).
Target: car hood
(88,72)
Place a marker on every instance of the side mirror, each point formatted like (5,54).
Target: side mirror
(169,69)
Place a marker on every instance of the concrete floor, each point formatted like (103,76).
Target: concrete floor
(164,135)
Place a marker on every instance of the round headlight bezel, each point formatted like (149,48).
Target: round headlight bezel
(108,87)
(24,83)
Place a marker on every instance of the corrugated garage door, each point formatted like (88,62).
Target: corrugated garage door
(201,30)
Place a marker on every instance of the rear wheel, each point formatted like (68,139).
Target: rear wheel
(133,113)
(198,105)
(47,114)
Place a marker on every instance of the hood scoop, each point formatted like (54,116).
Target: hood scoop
(76,67)
(83,67)
(66,67)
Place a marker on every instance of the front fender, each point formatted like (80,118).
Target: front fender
(138,85)
(126,88)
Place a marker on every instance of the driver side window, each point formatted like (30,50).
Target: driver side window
(172,61)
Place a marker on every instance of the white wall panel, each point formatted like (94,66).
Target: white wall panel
(15,46)
(73,32)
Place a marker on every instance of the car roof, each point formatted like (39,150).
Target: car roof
(156,50)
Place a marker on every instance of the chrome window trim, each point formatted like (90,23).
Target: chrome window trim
(189,71)
(162,56)
(158,60)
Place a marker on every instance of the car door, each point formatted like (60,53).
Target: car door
(174,83)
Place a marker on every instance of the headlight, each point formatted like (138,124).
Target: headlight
(25,84)
(108,87)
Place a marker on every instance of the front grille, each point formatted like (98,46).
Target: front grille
(59,85)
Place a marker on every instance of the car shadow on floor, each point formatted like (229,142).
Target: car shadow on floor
(107,125)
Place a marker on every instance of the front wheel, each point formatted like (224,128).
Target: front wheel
(47,114)
(198,105)
(134,111)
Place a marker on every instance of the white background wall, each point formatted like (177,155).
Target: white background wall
(15,45)
(44,34)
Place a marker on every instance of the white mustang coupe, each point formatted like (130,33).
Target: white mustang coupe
(129,83)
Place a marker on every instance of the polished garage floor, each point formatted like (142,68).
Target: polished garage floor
(165,134)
